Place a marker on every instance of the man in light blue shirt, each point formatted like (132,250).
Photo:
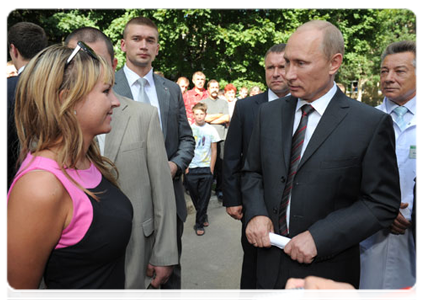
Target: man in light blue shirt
(388,258)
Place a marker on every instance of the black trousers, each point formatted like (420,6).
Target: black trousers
(218,167)
(174,281)
(249,262)
(199,183)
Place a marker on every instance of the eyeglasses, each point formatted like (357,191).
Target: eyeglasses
(84,47)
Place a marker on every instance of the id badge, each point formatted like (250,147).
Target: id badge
(412,154)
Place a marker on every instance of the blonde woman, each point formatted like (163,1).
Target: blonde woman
(67,220)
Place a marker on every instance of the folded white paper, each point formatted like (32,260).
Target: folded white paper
(278,240)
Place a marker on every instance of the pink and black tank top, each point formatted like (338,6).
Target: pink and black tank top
(91,251)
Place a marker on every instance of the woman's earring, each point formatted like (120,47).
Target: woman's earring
(74,112)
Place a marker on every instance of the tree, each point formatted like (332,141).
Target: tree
(229,44)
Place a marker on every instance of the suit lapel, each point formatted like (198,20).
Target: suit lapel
(163,96)
(121,85)
(333,115)
(262,98)
(288,115)
(114,137)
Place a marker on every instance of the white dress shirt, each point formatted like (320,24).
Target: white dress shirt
(272,96)
(150,87)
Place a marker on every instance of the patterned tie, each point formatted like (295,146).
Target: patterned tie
(142,96)
(400,112)
(297,145)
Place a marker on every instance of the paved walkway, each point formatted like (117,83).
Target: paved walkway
(211,261)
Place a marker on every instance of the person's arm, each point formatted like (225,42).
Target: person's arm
(256,215)
(36,218)
(183,156)
(165,250)
(221,120)
(213,156)
(212,117)
(401,224)
(316,283)
(378,202)
(188,107)
(232,164)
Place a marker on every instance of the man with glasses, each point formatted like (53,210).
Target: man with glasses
(136,146)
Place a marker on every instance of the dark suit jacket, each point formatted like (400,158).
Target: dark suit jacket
(346,187)
(236,146)
(177,132)
(12,136)
(415,216)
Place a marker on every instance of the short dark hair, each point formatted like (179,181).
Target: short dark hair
(212,81)
(278,48)
(400,47)
(28,38)
(141,21)
(91,35)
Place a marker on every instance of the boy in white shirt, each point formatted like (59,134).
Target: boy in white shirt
(199,175)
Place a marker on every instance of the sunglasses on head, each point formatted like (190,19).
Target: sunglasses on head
(84,47)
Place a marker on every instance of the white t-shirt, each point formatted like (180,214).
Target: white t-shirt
(204,137)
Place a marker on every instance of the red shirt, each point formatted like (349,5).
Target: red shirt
(191,98)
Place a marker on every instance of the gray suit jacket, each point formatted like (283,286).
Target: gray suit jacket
(177,132)
(346,187)
(136,146)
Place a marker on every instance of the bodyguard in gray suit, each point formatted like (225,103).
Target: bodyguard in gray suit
(140,43)
(136,146)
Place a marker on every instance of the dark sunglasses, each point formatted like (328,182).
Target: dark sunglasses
(84,47)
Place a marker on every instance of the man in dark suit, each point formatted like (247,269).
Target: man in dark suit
(24,41)
(141,44)
(340,186)
(236,147)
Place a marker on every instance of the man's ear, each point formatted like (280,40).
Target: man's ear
(123,45)
(114,64)
(335,63)
(14,51)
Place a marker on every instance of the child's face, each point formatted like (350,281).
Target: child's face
(199,117)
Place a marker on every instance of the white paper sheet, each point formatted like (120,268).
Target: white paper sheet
(278,240)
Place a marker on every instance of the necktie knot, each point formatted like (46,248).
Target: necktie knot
(307,109)
(142,81)
(400,111)
(143,97)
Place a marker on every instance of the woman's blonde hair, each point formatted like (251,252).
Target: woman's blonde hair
(44,111)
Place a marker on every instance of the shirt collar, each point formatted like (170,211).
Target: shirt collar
(133,77)
(272,96)
(411,105)
(320,104)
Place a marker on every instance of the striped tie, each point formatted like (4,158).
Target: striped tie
(297,145)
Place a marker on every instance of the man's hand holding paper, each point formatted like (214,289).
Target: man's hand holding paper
(257,231)
(302,248)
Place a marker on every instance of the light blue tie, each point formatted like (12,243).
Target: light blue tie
(400,111)
(142,96)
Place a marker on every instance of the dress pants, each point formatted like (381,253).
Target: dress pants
(199,183)
(249,262)
(218,168)
(174,281)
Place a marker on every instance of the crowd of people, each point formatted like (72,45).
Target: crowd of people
(116,151)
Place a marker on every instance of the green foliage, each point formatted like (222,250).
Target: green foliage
(229,44)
